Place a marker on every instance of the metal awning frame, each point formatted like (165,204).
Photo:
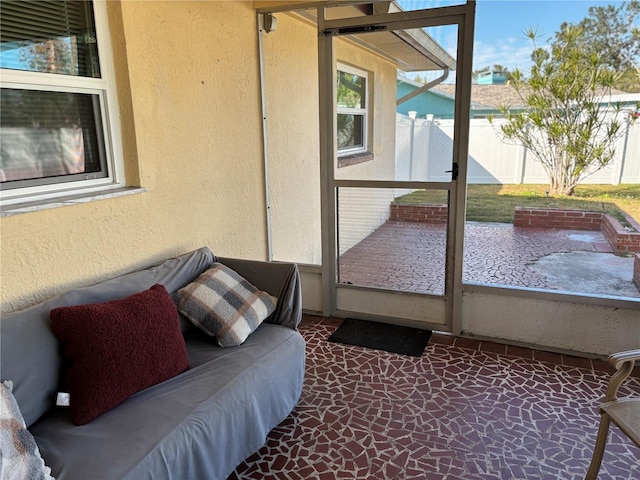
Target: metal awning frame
(413,37)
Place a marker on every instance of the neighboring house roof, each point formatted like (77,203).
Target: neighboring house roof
(446,93)
(491,96)
(485,99)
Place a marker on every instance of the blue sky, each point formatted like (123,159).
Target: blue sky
(500,26)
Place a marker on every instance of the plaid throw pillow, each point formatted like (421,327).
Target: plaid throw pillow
(224,305)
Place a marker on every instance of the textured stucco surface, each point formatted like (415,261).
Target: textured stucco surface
(291,84)
(191,133)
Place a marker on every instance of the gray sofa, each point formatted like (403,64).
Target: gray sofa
(199,424)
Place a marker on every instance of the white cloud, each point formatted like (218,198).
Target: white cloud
(508,53)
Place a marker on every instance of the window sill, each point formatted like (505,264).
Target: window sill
(354,159)
(28,207)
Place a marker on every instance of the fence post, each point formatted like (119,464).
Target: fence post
(521,165)
(618,170)
(412,115)
(429,126)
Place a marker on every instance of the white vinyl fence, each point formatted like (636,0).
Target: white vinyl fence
(424,149)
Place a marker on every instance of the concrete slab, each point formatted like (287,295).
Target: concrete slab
(588,272)
(583,237)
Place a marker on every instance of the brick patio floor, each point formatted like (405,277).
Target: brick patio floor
(410,256)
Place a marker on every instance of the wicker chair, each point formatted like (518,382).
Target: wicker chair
(624,412)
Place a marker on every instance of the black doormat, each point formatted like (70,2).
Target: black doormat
(382,336)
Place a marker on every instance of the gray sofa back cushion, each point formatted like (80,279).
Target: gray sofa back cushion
(29,352)
(280,280)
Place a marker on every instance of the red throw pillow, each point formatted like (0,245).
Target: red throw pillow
(118,348)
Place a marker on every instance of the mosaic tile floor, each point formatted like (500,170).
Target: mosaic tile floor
(461,411)
(410,256)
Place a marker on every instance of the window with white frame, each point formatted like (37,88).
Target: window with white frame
(352,110)
(55,127)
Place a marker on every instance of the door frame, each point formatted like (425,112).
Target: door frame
(463,16)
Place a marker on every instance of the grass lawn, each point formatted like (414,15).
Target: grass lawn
(496,203)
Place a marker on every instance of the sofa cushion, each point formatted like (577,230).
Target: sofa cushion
(224,305)
(36,375)
(20,455)
(118,348)
(198,425)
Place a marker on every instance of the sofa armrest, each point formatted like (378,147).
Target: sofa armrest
(282,280)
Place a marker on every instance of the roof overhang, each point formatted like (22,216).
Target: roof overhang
(411,50)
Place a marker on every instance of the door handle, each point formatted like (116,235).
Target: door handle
(453,171)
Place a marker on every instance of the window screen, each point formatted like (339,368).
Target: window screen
(351,117)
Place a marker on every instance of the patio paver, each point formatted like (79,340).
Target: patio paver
(410,256)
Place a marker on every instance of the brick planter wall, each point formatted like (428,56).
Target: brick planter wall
(560,219)
(621,241)
(636,270)
(419,213)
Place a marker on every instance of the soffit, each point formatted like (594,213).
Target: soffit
(411,50)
